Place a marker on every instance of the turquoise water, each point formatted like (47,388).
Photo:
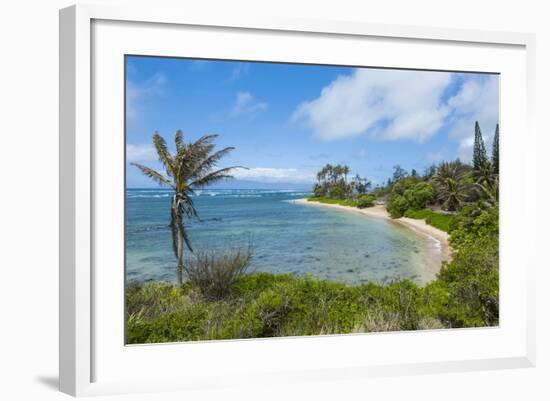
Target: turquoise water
(287,237)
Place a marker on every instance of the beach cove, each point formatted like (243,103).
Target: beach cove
(419,226)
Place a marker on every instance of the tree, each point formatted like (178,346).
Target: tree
(398,173)
(494,157)
(361,184)
(189,168)
(413,173)
(480,154)
(451,189)
(429,172)
(345,171)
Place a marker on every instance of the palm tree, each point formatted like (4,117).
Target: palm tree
(345,171)
(451,188)
(189,168)
(488,191)
(485,174)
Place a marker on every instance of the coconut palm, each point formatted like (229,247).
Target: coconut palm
(488,191)
(485,174)
(450,185)
(345,171)
(189,168)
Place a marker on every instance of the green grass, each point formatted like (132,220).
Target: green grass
(332,201)
(437,220)
(268,305)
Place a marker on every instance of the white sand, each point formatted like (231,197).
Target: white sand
(419,226)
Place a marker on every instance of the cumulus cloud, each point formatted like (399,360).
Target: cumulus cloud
(268,174)
(245,103)
(135,92)
(401,104)
(389,104)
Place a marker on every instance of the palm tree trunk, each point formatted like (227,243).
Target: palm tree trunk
(180,252)
(177,237)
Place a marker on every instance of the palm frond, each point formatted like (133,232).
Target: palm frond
(214,176)
(178,139)
(187,204)
(155,176)
(186,239)
(210,161)
(163,154)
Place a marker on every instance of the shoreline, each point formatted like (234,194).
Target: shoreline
(379,211)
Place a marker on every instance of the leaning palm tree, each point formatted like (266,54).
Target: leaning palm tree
(450,185)
(191,167)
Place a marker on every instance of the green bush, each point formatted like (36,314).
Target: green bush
(397,206)
(366,201)
(419,195)
(409,193)
(214,274)
(337,192)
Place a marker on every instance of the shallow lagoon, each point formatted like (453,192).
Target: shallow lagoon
(287,237)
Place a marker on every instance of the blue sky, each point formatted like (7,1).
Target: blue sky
(287,120)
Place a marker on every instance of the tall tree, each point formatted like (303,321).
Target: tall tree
(480,154)
(345,171)
(494,157)
(189,168)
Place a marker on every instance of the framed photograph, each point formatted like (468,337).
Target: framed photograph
(273,200)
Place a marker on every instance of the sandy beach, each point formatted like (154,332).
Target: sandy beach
(379,211)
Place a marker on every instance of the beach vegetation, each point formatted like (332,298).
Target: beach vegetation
(214,273)
(365,201)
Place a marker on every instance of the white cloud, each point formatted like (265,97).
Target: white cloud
(268,174)
(476,100)
(140,153)
(400,104)
(136,92)
(245,103)
(388,104)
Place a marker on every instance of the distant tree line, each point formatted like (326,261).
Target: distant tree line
(332,182)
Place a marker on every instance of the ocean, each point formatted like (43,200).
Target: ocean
(286,237)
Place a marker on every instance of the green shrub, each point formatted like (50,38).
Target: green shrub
(337,192)
(419,195)
(471,282)
(473,223)
(397,206)
(366,201)
(214,274)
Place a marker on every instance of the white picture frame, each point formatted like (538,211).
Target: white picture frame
(91,357)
